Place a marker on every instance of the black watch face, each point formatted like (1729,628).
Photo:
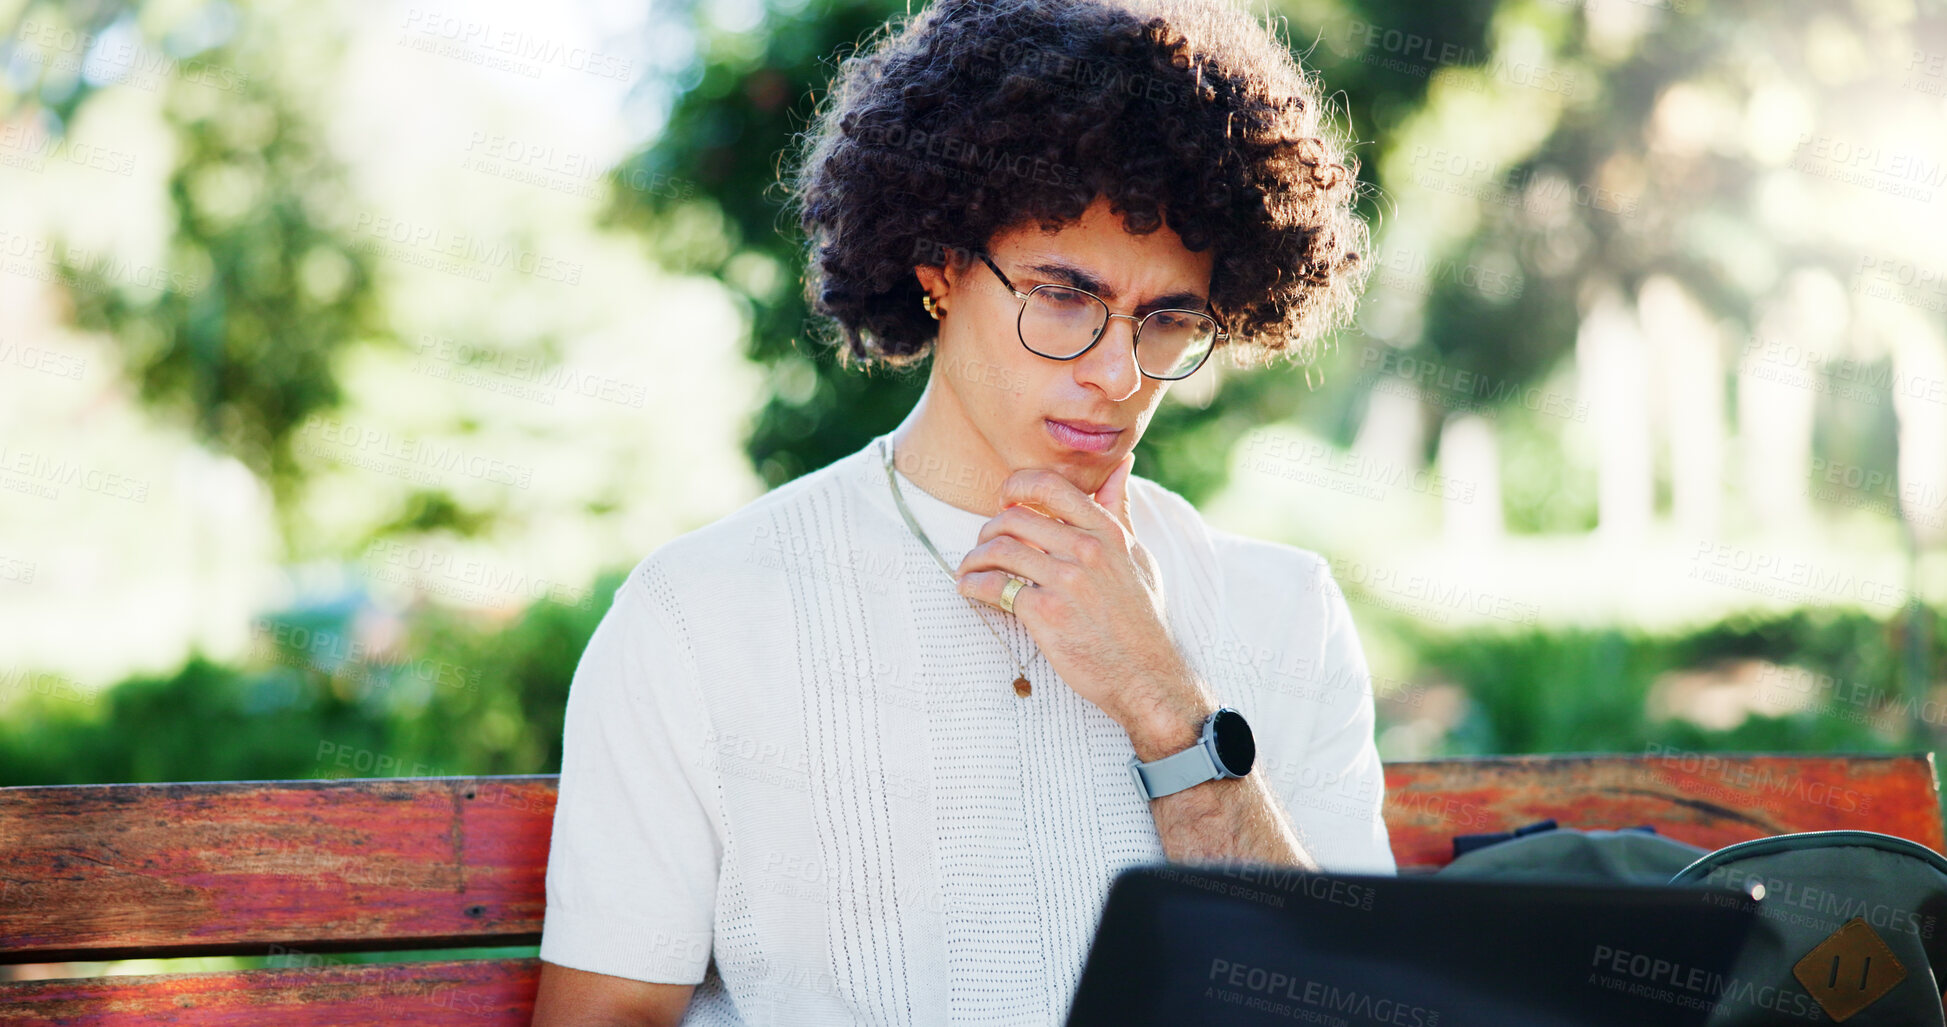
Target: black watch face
(1235,746)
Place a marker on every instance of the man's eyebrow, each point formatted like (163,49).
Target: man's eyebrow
(1069,274)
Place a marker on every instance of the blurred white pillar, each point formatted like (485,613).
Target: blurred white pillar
(1470,468)
(1391,441)
(1688,353)
(1920,402)
(1613,371)
(1778,387)
(1391,432)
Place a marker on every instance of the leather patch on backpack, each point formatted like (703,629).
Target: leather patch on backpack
(1850,970)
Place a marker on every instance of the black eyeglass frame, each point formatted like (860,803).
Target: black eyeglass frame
(1134,337)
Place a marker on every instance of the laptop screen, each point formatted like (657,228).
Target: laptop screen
(1255,944)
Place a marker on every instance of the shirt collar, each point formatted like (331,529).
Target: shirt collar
(952,530)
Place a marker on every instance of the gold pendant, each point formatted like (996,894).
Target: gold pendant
(1021,687)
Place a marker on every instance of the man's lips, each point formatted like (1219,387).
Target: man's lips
(1085,436)
(1087,426)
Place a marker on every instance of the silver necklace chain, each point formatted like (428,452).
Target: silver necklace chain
(1021,684)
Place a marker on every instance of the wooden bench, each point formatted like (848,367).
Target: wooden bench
(303,869)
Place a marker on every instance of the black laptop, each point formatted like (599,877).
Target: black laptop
(1254,944)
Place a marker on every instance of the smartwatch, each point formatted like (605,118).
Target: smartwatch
(1225,750)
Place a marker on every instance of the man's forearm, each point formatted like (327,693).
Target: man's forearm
(1233,818)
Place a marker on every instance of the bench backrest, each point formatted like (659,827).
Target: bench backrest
(302,869)
(1707,799)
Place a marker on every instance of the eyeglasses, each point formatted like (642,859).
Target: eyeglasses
(1061,322)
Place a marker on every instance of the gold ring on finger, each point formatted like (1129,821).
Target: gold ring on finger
(1010,590)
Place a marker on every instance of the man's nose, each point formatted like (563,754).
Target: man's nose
(1111,364)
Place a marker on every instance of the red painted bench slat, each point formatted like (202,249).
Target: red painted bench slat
(453,993)
(1708,800)
(225,868)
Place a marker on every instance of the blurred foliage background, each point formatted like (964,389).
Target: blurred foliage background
(349,356)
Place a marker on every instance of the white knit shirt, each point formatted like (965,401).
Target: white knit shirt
(796,773)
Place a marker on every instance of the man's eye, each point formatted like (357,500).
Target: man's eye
(1064,297)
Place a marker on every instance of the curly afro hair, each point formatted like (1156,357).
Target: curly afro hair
(977,116)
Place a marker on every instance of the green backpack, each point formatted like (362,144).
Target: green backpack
(1545,852)
(1849,927)
(1848,931)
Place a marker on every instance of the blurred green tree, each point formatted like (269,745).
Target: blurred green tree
(259,291)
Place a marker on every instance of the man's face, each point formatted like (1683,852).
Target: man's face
(1018,401)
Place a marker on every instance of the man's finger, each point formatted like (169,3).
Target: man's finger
(1009,555)
(1055,494)
(1114,493)
(1030,525)
(986,586)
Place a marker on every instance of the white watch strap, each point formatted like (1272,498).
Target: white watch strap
(1175,772)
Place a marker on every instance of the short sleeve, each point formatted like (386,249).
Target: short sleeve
(1351,836)
(632,867)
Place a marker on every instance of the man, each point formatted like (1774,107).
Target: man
(812,775)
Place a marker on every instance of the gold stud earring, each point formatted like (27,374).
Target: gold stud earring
(931,307)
